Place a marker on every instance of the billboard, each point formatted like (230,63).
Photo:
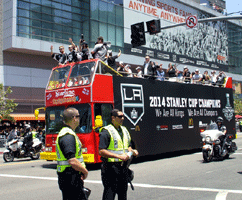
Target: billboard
(205,46)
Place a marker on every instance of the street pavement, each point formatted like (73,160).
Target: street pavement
(175,177)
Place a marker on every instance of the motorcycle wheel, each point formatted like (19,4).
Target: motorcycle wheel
(207,157)
(35,156)
(8,157)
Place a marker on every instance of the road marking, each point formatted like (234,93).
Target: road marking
(221,195)
(231,154)
(20,163)
(220,191)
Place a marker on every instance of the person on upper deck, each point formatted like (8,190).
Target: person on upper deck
(205,77)
(72,56)
(99,50)
(221,78)
(160,73)
(197,76)
(139,72)
(172,72)
(121,69)
(83,51)
(61,57)
(186,75)
(147,67)
(128,70)
(111,59)
(213,77)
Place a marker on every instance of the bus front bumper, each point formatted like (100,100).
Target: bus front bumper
(51,156)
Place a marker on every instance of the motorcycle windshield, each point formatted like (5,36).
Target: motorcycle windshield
(212,126)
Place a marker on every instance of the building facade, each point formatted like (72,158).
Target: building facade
(29,27)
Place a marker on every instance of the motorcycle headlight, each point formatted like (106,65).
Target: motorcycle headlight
(208,139)
(203,139)
(217,141)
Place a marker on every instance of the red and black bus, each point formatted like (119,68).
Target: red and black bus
(162,116)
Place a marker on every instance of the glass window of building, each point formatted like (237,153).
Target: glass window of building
(62,19)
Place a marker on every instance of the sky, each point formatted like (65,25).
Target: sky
(233,6)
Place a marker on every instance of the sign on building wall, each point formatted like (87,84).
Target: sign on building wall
(206,46)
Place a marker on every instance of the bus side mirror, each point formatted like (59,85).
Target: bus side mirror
(36,114)
(98,122)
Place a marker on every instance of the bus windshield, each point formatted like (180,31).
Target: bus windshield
(58,78)
(81,74)
(54,119)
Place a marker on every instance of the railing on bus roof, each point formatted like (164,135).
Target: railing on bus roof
(82,73)
(180,79)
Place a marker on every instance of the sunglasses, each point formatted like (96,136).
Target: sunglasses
(77,116)
(120,116)
(61,49)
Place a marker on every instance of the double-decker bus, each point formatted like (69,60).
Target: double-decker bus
(162,116)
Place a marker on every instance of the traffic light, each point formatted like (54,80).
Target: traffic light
(153,26)
(138,34)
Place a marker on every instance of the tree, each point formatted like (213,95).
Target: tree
(7,106)
(238,104)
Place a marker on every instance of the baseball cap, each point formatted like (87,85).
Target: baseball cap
(213,71)
(138,68)
(197,70)
(109,51)
(185,67)
(121,62)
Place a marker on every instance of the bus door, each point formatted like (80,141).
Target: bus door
(102,113)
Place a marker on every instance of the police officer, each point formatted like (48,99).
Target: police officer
(240,125)
(222,128)
(71,169)
(28,139)
(114,145)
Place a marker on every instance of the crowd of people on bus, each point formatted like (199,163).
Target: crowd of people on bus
(150,69)
(153,70)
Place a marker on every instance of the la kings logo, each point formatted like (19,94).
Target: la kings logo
(132,102)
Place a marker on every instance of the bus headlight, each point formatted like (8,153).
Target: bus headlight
(208,139)
(84,150)
(48,148)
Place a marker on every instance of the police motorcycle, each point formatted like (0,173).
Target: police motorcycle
(16,148)
(213,147)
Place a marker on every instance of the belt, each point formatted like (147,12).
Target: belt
(65,162)
(113,163)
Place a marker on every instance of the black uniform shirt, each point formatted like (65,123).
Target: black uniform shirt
(68,146)
(105,139)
